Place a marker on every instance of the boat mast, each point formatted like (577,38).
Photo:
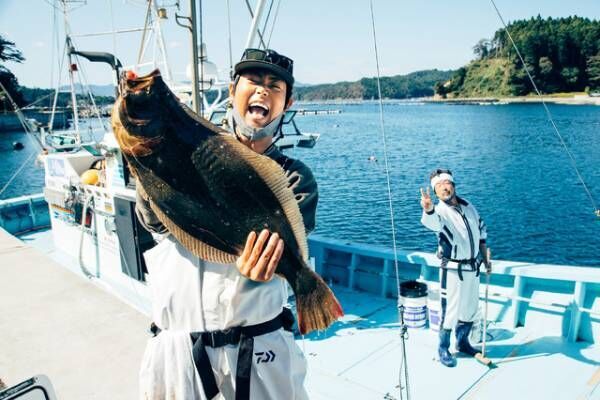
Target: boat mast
(72,69)
(195,81)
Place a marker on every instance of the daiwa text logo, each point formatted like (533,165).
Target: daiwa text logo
(265,356)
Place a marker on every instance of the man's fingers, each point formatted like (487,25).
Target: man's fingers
(258,247)
(422,192)
(428,195)
(257,266)
(270,249)
(274,260)
(249,246)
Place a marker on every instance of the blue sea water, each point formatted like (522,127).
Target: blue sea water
(506,160)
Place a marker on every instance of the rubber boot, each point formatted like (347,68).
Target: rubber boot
(463,329)
(446,357)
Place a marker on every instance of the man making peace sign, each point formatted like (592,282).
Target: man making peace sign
(461,246)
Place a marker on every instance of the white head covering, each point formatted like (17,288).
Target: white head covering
(441,177)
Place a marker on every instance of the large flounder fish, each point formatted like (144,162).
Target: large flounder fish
(210,190)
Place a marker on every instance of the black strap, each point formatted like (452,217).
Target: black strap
(244,366)
(202,362)
(473,262)
(244,335)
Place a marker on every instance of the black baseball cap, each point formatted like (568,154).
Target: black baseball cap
(268,59)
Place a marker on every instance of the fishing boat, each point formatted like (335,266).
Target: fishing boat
(76,304)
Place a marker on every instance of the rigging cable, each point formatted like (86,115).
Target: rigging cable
(549,115)
(114,31)
(403,332)
(29,136)
(17,172)
(264,29)
(273,24)
(146,23)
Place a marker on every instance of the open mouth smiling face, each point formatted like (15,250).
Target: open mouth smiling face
(258,114)
(259,98)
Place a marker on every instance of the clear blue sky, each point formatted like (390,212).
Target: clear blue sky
(329,40)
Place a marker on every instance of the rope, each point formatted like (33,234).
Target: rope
(391,208)
(30,105)
(273,24)
(17,172)
(83,82)
(264,29)
(146,22)
(549,115)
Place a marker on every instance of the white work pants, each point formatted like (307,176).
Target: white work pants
(460,298)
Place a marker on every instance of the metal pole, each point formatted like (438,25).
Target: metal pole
(485,312)
(195,78)
(254,28)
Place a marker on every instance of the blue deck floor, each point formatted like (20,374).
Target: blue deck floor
(359,357)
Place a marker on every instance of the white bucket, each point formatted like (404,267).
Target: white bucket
(435,314)
(415,311)
(434,306)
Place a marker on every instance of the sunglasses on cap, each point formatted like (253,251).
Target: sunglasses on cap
(269,56)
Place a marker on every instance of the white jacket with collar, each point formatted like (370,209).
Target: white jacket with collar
(460,229)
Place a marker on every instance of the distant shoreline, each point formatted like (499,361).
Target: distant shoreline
(572,99)
(575,99)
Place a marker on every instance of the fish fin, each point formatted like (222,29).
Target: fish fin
(316,304)
(274,176)
(197,247)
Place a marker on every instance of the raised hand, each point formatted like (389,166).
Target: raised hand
(426,202)
(258,262)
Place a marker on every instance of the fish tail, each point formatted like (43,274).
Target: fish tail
(316,304)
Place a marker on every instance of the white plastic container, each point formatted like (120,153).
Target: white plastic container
(434,306)
(413,296)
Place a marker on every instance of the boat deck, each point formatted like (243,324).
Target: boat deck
(359,358)
(90,343)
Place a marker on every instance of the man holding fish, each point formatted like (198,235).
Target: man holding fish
(221,328)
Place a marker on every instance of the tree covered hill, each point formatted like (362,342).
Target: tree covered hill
(561,54)
(416,84)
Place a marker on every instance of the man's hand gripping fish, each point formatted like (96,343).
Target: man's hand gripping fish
(210,190)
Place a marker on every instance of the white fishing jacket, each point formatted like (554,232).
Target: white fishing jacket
(460,230)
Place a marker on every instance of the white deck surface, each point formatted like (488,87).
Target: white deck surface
(90,344)
(56,323)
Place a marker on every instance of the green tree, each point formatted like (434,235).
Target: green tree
(593,71)
(546,67)
(482,49)
(570,76)
(8,52)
